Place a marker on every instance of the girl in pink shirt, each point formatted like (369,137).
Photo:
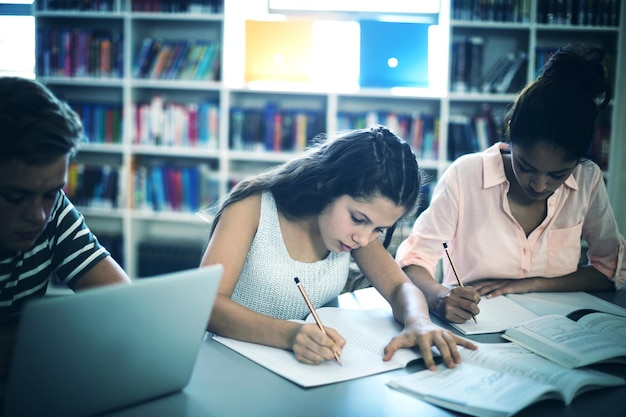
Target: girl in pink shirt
(514,215)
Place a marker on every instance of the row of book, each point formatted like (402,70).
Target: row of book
(164,187)
(564,12)
(80,5)
(178,6)
(473,133)
(492,10)
(176,124)
(168,59)
(466,59)
(579,12)
(467,72)
(90,185)
(102,123)
(75,52)
(274,129)
(157,6)
(196,125)
(418,129)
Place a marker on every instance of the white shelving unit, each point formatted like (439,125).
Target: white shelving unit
(137,226)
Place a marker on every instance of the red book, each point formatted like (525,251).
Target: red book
(192,124)
(105,57)
(278,132)
(174,188)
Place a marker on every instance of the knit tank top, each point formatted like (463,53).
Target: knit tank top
(266,284)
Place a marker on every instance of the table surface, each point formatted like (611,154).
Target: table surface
(225,383)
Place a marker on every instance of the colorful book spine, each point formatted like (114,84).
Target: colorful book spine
(90,185)
(79,52)
(163,187)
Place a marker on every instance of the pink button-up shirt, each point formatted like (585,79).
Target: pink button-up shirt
(470,211)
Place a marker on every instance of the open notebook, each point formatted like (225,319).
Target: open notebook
(110,347)
(366,331)
(500,313)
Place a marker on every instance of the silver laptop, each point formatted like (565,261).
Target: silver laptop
(102,349)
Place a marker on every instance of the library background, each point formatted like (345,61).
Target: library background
(183,98)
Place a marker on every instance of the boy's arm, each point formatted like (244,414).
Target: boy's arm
(105,272)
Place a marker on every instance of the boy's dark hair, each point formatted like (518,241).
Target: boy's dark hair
(561,106)
(37,127)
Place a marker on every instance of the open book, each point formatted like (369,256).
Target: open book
(499,313)
(594,338)
(500,379)
(367,332)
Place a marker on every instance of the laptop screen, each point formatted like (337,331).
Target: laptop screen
(110,347)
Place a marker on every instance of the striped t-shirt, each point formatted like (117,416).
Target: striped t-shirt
(65,249)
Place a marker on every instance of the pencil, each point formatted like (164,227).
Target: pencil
(315,316)
(458,279)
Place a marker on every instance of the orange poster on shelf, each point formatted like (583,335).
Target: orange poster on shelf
(279,50)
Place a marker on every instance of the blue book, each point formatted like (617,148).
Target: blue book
(85,112)
(207,125)
(191,188)
(117,58)
(205,64)
(194,56)
(179,55)
(236,128)
(146,64)
(157,185)
(146,46)
(428,142)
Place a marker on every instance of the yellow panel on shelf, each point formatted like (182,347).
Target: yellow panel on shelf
(279,50)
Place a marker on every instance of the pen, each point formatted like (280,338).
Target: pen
(315,316)
(458,279)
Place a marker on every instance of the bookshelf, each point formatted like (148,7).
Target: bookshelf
(160,123)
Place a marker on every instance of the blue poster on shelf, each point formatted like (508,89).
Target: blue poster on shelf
(393,54)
